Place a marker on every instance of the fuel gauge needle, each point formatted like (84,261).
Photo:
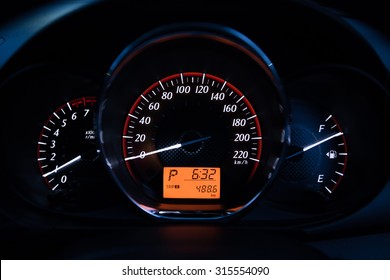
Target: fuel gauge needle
(62,166)
(304,149)
(176,146)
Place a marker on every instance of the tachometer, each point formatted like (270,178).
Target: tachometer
(67,138)
(68,154)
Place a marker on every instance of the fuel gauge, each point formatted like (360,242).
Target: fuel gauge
(329,167)
(317,159)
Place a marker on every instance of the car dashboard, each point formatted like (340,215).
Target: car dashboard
(168,130)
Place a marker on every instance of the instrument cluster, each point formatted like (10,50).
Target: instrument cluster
(196,120)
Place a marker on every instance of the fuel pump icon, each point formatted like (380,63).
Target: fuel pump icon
(332,154)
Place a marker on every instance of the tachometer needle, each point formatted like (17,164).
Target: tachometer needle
(176,146)
(304,149)
(62,166)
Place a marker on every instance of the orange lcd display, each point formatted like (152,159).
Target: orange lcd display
(192,182)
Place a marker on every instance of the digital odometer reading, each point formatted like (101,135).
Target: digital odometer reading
(191,182)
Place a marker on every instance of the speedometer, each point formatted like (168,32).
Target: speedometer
(193,121)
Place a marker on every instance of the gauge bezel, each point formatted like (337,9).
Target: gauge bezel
(203,48)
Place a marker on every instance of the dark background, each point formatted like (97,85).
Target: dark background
(374,12)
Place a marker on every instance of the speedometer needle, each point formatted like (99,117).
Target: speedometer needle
(304,149)
(62,166)
(176,146)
